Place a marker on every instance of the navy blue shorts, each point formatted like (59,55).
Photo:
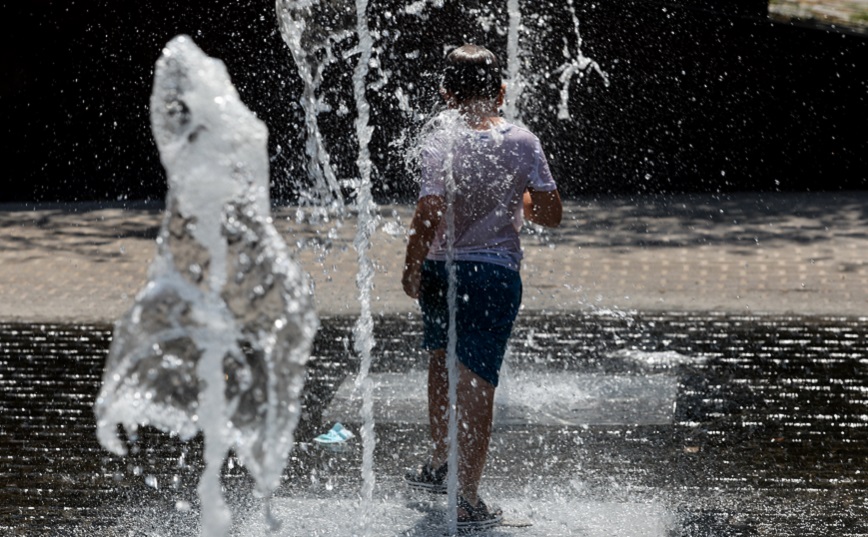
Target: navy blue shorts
(487,303)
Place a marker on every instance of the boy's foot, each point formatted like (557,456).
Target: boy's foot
(479,517)
(427,478)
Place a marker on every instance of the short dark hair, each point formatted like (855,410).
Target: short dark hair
(472,72)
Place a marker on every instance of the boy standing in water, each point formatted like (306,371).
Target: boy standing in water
(500,175)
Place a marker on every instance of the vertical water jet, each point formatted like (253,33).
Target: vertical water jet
(218,339)
(364,328)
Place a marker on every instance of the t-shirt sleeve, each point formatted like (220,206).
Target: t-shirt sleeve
(540,175)
(433,181)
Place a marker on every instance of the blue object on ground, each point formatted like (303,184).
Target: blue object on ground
(337,435)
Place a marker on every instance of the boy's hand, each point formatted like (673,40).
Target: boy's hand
(543,208)
(411,280)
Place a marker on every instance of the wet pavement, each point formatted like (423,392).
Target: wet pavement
(672,374)
(767,434)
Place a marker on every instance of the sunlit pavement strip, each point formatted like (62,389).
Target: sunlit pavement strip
(526,398)
(748,253)
(319,517)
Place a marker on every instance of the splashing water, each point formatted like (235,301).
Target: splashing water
(527,83)
(310,29)
(445,131)
(513,62)
(218,339)
(576,66)
(320,36)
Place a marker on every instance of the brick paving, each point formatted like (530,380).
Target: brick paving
(757,253)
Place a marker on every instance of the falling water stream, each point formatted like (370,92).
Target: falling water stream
(305,28)
(306,41)
(575,66)
(515,85)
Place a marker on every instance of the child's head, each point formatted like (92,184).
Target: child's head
(472,73)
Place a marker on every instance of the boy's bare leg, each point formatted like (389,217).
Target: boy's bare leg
(438,406)
(475,407)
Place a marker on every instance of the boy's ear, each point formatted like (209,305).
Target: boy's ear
(448,97)
(501,96)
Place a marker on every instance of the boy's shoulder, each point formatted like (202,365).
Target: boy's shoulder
(518,132)
(519,135)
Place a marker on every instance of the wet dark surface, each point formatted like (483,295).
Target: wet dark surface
(769,434)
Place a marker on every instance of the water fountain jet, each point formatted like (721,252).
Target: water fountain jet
(217,340)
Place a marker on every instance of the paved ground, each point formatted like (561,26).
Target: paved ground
(729,402)
(748,253)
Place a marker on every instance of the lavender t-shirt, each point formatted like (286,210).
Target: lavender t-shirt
(491,170)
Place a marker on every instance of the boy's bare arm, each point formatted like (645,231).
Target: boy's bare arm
(426,219)
(543,208)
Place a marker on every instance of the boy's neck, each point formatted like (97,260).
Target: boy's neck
(482,123)
(480,115)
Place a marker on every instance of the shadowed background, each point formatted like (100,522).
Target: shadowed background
(704,96)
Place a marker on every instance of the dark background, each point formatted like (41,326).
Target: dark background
(704,96)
